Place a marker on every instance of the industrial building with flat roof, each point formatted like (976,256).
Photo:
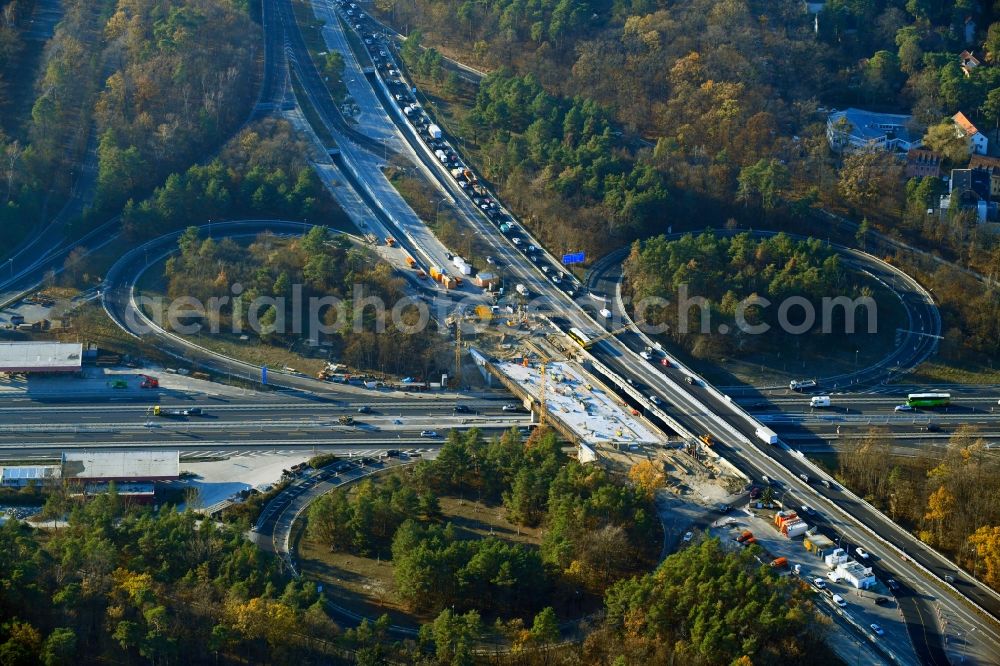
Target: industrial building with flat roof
(20,476)
(35,357)
(120,466)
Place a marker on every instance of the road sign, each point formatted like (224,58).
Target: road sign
(263,375)
(574,258)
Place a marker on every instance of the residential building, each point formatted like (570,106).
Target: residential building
(969,189)
(974,183)
(857,129)
(992,166)
(978,143)
(969,62)
(921,162)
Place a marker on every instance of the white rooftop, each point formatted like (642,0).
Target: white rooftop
(121,465)
(855,569)
(593,414)
(28,472)
(40,356)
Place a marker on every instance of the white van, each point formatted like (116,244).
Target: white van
(819,401)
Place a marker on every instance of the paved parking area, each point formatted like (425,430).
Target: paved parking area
(861,610)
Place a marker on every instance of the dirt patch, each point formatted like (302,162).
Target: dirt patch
(366,584)
(478,521)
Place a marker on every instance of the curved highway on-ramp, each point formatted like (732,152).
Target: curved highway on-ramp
(118,297)
(920,333)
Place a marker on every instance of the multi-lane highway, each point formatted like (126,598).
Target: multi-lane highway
(917,336)
(696,407)
(193,423)
(700,410)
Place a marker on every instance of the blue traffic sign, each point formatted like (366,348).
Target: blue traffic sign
(574,258)
(263,375)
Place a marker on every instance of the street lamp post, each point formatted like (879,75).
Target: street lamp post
(437,210)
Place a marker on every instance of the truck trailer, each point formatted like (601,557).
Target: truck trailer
(767,435)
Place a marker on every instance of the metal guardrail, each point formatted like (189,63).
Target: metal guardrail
(820,473)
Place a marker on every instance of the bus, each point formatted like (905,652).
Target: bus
(578,336)
(928,399)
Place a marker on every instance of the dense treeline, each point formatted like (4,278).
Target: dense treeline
(565,149)
(14,16)
(706,605)
(39,166)
(262,172)
(282,287)
(182,78)
(434,570)
(701,81)
(730,98)
(951,503)
(158,82)
(596,530)
(118,585)
(702,605)
(730,273)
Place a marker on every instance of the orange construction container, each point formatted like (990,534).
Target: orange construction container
(410,261)
(783,517)
(449,282)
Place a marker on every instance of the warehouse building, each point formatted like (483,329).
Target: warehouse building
(40,357)
(134,473)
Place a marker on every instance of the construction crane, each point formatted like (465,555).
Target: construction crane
(543,360)
(542,408)
(458,352)
(604,336)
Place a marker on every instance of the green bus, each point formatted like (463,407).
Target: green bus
(928,399)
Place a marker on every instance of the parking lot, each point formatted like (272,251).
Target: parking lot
(859,607)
